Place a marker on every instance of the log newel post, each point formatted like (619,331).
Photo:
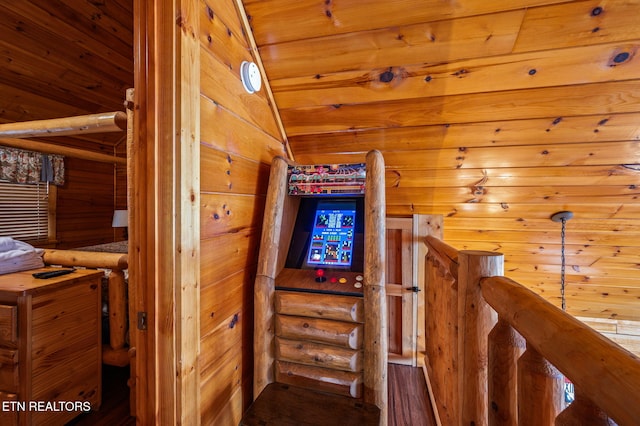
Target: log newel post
(264,290)
(375,298)
(540,390)
(505,347)
(582,412)
(475,321)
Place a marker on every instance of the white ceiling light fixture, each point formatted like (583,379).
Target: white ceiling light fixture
(250,75)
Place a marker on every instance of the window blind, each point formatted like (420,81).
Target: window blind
(24,211)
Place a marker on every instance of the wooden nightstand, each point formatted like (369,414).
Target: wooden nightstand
(50,347)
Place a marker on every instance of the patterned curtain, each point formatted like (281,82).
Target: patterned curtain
(20,166)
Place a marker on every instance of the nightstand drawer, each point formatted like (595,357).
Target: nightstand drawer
(9,370)
(8,324)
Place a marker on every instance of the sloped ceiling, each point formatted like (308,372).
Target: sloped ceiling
(493,114)
(65,58)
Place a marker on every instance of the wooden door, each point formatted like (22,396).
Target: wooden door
(406,251)
(401,298)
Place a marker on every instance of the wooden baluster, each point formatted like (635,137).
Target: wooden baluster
(582,412)
(540,390)
(505,347)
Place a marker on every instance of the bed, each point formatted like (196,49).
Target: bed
(112,257)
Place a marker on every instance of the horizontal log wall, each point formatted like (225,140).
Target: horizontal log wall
(239,137)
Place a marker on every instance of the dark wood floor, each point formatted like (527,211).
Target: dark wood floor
(408,399)
(409,403)
(114,410)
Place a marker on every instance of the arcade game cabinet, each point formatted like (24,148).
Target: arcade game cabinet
(320,302)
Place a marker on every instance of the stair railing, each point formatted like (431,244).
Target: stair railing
(499,354)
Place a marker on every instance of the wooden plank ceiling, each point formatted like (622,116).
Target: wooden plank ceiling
(63,58)
(496,114)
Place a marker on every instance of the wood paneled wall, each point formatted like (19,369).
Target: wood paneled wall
(85,204)
(494,114)
(239,137)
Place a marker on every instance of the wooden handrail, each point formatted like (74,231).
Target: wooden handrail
(444,254)
(485,376)
(605,372)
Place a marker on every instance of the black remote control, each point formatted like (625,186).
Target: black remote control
(51,274)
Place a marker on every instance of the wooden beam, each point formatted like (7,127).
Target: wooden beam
(66,126)
(50,148)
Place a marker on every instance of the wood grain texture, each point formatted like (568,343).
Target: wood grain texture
(341,383)
(547,111)
(341,308)
(582,354)
(339,333)
(461,77)
(475,321)
(540,389)
(376,343)
(309,353)
(505,347)
(282,404)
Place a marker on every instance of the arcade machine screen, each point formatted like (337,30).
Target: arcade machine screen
(328,234)
(332,236)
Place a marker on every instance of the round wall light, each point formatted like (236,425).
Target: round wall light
(250,76)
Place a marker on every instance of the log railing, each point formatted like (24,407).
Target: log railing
(498,354)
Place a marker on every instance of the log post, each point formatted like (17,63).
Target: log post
(540,390)
(117,309)
(475,321)
(264,291)
(582,412)
(375,298)
(505,347)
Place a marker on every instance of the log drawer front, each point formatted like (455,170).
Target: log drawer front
(319,341)
(50,347)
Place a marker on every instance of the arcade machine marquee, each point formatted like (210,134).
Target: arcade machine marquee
(326,251)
